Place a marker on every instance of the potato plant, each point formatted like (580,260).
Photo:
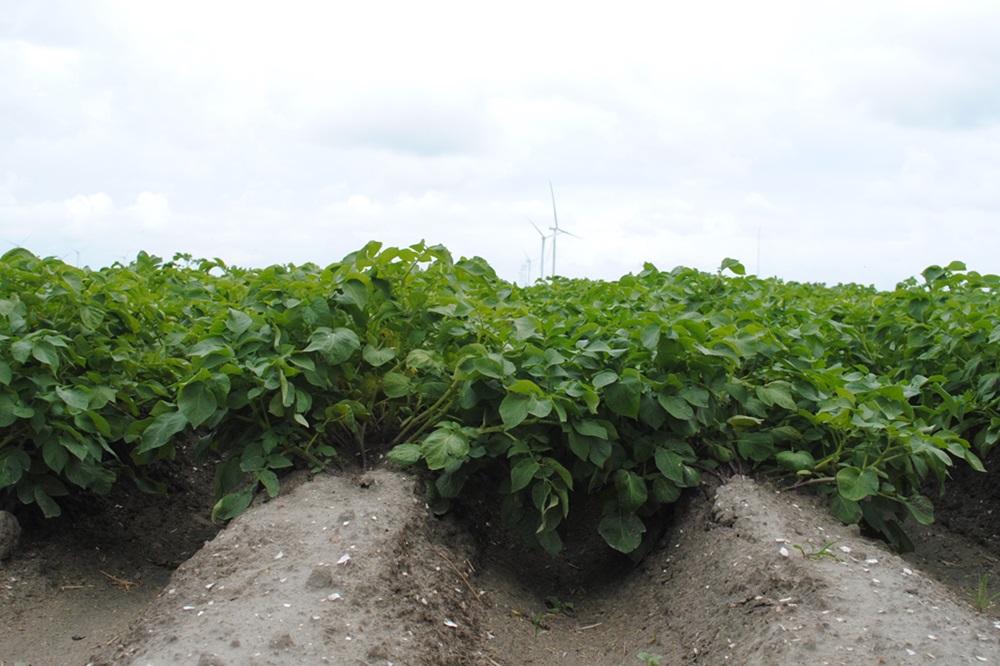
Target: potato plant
(627,391)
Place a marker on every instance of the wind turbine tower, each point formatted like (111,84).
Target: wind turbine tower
(556,230)
(541,270)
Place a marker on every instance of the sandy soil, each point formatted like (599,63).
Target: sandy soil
(352,569)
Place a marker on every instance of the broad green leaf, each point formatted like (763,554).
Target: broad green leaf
(795,461)
(525,386)
(356,293)
(856,484)
(443,446)
(743,421)
(232,504)
(514,409)
(676,406)
(238,322)
(695,395)
(404,454)
(670,465)
(848,511)
(756,446)
(159,433)
(377,357)
(270,482)
(45,352)
(921,508)
(13,464)
(622,531)
(604,378)
(776,394)
(632,491)
(76,398)
(622,397)
(522,473)
(525,327)
(590,428)
(666,492)
(395,385)
(45,502)
(21,350)
(5,373)
(196,402)
(336,345)
(550,541)
(732,265)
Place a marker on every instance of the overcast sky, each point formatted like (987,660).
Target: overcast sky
(815,141)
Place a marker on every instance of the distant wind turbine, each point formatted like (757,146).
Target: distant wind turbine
(526,270)
(541,270)
(555,229)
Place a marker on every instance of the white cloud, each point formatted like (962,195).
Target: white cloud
(844,136)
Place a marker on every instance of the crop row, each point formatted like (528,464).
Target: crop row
(627,391)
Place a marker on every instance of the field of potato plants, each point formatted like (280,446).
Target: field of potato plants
(628,391)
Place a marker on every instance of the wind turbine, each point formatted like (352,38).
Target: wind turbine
(526,269)
(541,271)
(555,229)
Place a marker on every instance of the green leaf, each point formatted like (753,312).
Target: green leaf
(632,491)
(336,345)
(525,327)
(233,504)
(666,492)
(622,397)
(848,511)
(270,481)
(550,541)
(733,265)
(776,394)
(163,428)
(527,387)
(622,531)
(21,350)
(756,446)
(196,402)
(404,454)
(443,446)
(44,352)
(75,398)
(670,465)
(5,373)
(395,385)
(604,378)
(795,461)
(45,502)
(921,508)
(743,421)
(522,473)
(13,464)
(856,484)
(676,406)
(238,322)
(514,409)
(376,357)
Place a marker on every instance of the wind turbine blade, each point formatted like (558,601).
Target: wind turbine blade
(555,229)
(555,218)
(569,233)
(535,226)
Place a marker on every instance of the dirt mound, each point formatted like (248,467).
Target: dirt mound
(335,570)
(353,570)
